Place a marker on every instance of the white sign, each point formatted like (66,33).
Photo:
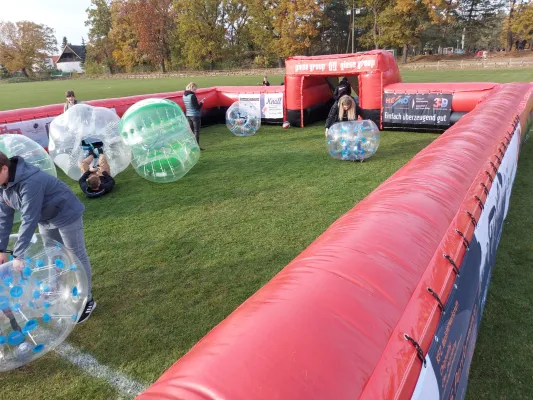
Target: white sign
(253,99)
(35,129)
(272,106)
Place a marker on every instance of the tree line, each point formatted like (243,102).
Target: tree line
(148,35)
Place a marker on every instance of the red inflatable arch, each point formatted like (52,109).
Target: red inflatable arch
(308,94)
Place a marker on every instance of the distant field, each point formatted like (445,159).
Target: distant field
(20,95)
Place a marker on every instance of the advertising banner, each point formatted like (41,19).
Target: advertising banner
(445,375)
(35,129)
(417,109)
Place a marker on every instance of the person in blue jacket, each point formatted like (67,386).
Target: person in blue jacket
(192,109)
(45,202)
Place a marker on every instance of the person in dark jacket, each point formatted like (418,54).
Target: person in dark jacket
(343,110)
(265,81)
(95,182)
(343,89)
(192,109)
(45,202)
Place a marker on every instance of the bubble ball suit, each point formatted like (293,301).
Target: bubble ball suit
(33,153)
(39,306)
(353,140)
(164,148)
(84,122)
(243,119)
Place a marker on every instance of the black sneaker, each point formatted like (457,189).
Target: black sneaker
(89,308)
(202,149)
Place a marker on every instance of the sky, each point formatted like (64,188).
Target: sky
(66,17)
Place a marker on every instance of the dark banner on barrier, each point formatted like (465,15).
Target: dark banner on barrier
(417,109)
(445,375)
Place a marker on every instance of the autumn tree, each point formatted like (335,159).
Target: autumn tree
(124,36)
(522,24)
(201,31)
(99,21)
(153,21)
(23,46)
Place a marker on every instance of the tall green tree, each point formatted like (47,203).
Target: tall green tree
(101,46)
(64,43)
(23,46)
(201,31)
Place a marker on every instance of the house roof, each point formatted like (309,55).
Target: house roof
(79,51)
(55,58)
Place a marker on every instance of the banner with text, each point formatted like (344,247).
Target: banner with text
(417,109)
(445,375)
(269,104)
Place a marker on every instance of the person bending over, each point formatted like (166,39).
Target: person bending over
(343,110)
(45,202)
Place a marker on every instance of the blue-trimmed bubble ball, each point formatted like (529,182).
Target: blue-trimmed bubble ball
(353,140)
(243,119)
(39,305)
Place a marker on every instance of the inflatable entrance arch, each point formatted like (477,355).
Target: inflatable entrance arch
(385,304)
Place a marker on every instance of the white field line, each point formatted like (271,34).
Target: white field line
(123,383)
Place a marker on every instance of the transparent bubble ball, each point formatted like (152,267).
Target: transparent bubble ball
(163,146)
(353,140)
(40,305)
(243,119)
(33,153)
(84,122)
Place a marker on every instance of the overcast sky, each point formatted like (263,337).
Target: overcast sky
(66,17)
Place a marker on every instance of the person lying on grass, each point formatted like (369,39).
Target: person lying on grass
(96,182)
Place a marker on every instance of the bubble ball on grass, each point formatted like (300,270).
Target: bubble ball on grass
(353,140)
(164,148)
(84,122)
(243,119)
(40,305)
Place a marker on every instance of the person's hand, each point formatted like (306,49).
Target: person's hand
(93,169)
(18,265)
(3,258)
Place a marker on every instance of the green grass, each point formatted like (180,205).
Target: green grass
(32,94)
(171,261)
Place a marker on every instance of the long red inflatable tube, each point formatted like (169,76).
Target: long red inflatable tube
(222,96)
(332,323)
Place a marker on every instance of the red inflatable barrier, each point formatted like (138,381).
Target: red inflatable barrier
(222,96)
(353,315)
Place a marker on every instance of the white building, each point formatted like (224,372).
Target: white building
(71,58)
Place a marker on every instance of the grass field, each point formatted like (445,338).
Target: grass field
(50,92)
(171,261)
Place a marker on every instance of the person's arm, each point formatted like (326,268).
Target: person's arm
(31,197)
(6,224)
(83,182)
(333,115)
